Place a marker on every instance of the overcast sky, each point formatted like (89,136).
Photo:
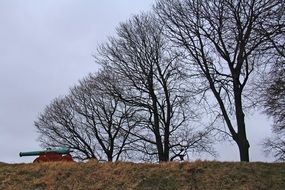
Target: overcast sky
(46,47)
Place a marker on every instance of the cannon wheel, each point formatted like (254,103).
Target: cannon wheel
(67,158)
(41,159)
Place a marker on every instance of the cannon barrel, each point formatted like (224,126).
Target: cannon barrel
(48,150)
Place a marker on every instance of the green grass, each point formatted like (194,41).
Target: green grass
(167,176)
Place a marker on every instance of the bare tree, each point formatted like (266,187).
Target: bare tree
(87,120)
(151,78)
(274,96)
(225,42)
(275,145)
(272,91)
(58,128)
(273,100)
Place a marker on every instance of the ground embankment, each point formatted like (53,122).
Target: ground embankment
(197,175)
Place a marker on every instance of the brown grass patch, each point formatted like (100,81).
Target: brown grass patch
(120,175)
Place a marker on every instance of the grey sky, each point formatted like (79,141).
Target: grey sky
(46,47)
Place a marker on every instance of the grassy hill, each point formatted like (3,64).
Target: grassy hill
(124,176)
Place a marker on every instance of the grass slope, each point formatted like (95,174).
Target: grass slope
(183,176)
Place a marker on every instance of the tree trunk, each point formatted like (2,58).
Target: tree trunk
(241,139)
(110,156)
(166,151)
(156,125)
(243,146)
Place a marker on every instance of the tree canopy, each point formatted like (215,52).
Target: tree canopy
(169,75)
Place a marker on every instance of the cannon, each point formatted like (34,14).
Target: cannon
(50,155)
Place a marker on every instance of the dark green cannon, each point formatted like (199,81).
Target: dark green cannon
(50,155)
(48,150)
